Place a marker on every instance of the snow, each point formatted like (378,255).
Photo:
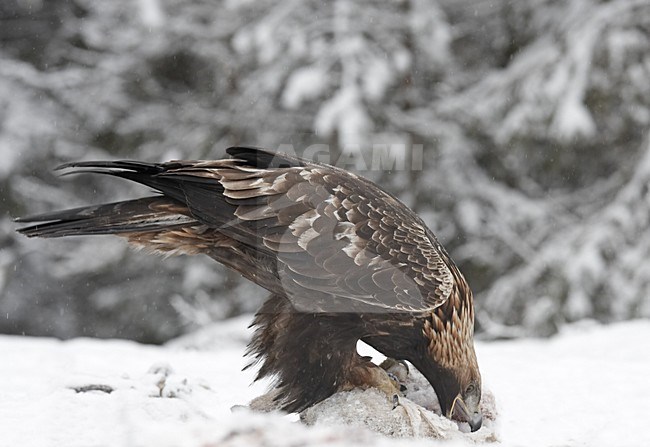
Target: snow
(587,386)
(152,14)
(377,79)
(344,113)
(304,85)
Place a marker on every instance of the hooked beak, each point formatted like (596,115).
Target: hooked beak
(460,411)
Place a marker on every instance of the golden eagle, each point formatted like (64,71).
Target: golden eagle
(343,259)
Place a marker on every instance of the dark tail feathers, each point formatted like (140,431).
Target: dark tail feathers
(140,215)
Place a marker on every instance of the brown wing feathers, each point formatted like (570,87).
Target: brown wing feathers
(338,242)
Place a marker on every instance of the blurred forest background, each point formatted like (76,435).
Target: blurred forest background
(533,118)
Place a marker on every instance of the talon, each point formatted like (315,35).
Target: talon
(397,371)
(405,365)
(373,376)
(398,368)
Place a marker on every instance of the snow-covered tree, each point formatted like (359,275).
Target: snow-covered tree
(518,130)
(551,155)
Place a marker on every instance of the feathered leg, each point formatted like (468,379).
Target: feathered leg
(308,376)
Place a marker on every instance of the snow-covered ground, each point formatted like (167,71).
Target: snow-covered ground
(589,386)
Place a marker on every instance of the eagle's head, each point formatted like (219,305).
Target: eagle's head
(458,389)
(449,361)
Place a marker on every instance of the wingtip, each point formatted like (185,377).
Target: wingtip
(63,166)
(263,158)
(75,164)
(27,219)
(89,164)
(27,231)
